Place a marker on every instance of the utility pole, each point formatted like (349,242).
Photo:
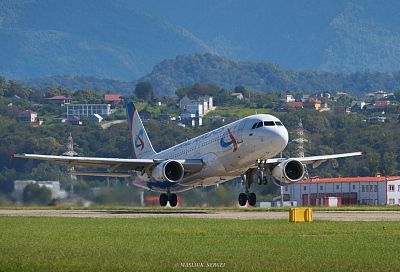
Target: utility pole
(71,153)
(300,140)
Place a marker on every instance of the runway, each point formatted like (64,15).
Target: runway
(211,214)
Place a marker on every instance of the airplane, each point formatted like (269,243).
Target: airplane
(247,148)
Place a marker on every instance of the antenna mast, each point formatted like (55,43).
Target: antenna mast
(70,152)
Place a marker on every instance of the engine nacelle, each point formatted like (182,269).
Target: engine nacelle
(171,171)
(288,172)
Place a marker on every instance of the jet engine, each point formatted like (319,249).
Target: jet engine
(171,171)
(288,172)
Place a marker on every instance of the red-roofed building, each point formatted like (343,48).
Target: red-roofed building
(112,98)
(378,190)
(59,99)
(295,104)
(381,104)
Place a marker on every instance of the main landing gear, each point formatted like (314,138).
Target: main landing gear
(168,197)
(263,174)
(248,197)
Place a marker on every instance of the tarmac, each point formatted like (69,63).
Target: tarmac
(211,214)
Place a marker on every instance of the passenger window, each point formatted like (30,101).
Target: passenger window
(260,124)
(269,123)
(254,126)
(278,123)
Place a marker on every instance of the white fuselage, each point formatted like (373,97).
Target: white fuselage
(226,152)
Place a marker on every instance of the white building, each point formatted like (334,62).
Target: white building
(194,110)
(208,103)
(96,118)
(28,116)
(237,95)
(191,119)
(381,94)
(358,105)
(378,190)
(88,109)
(196,107)
(288,98)
(192,106)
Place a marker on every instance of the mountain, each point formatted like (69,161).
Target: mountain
(340,35)
(106,39)
(187,70)
(124,39)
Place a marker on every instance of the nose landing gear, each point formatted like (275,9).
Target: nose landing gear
(263,172)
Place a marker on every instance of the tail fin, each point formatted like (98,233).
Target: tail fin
(142,148)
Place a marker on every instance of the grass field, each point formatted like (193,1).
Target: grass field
(162,209)
(173,244)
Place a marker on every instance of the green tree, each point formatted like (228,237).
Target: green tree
(35,194)
(181,92)
(88,96)
(3,85)
(389,163)
(144,91)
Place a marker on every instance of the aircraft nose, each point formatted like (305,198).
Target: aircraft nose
(283,137)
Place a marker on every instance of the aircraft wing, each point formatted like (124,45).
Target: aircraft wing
(315,160)
(114,166)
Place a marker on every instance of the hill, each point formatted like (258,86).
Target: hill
(183,71)
(75,83)
(124,39)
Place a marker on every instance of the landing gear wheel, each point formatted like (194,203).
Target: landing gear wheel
(242,199)
(173,200)
(252,199)
(163,200)
(265,180)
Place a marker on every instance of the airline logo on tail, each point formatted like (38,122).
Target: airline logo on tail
(131,113)
(232,141)
(139,143)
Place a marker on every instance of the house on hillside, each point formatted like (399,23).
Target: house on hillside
(238,96)
(288,98)
(357,105)
(112,98)
(295,104)
(191,119)
(96,118)
(184,102)
(28,116)
(88,109)
(381,94)
(75,120)
(313,104)
(59,100)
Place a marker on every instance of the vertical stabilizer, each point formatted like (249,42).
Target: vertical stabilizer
(142,148)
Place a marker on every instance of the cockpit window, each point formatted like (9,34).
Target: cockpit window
(269,123)
(266,124)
